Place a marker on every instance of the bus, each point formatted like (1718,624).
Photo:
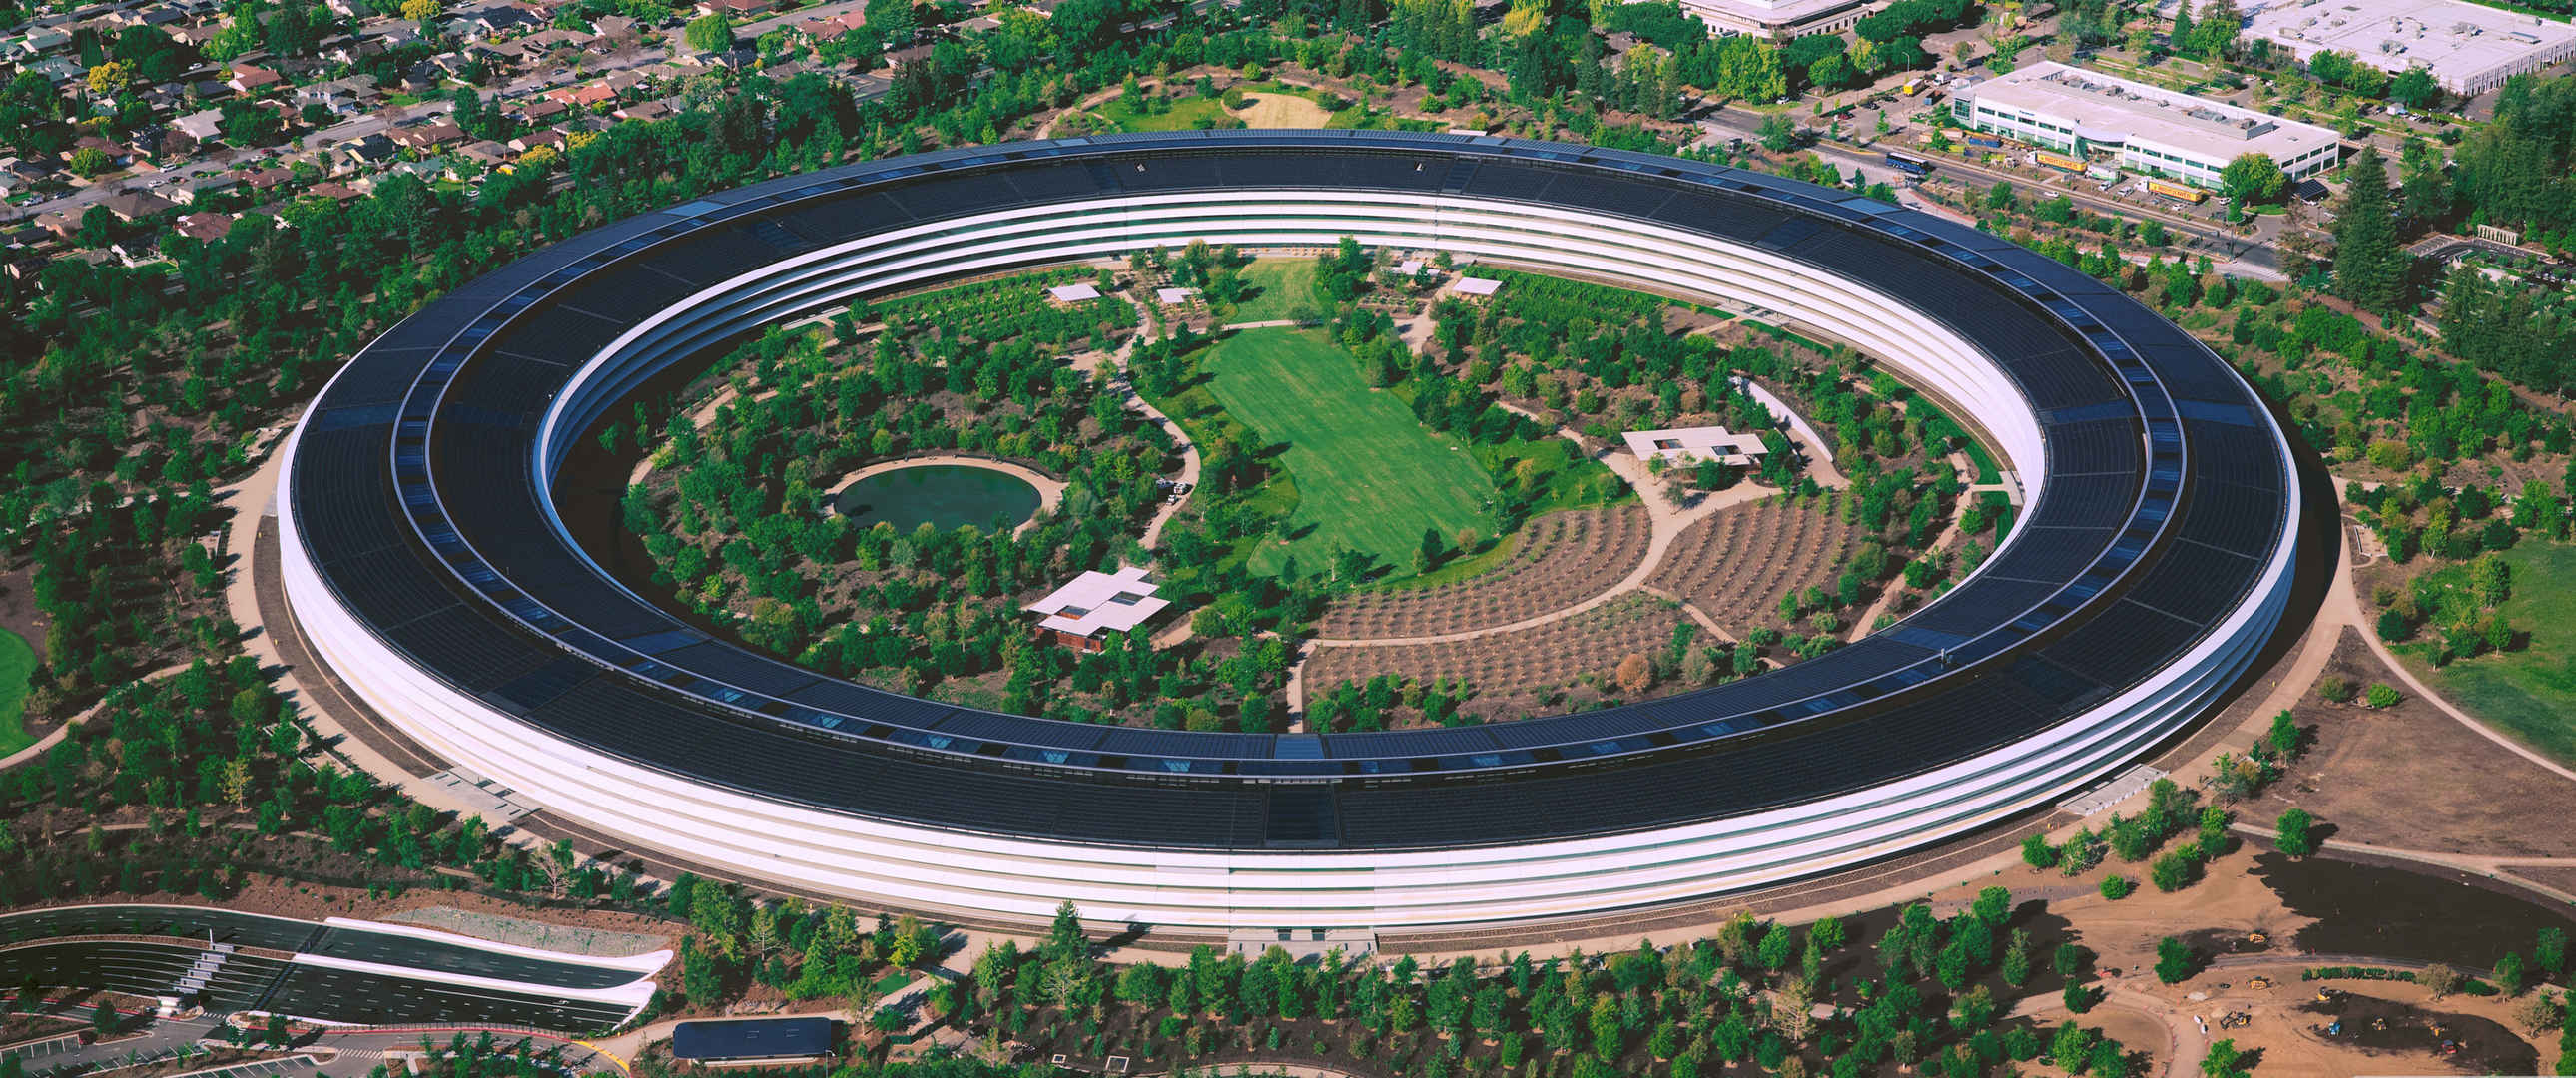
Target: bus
(2057,161)
(1908,164)
(2182,191)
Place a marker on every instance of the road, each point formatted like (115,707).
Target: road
(2253,257)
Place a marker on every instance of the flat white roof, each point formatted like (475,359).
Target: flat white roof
(1696,443)
(1073,293)
(1764,15)
(1477,286)
(1098,602)
(1411,267)
(1175,296)
(2467,47)
(2103,109)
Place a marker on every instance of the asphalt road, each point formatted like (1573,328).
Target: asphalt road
(2249,255)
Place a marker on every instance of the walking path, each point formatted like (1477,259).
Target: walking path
(1050,489)
(47,742)
(1669,523)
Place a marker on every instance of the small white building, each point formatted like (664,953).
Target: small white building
(1086,609)
(1687,446)
(1411,267)
(1073,293)
(1477,287)
(1174,297)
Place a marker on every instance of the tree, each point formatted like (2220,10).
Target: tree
(110,79)
(1778,133)
(1993,905)
(2174,961)
(2414,88)
(422,11)
(2550,953)
(2224,1061)
(89,161)
(2116,887)
(2254,178)
(2510,973)
(711,33)
(2439,980)
(1635,674)
(2294,838)
(2370,267)
(103,1020)
(2037,853)
(2381,694)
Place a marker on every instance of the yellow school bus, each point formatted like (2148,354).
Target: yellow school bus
(2183,191)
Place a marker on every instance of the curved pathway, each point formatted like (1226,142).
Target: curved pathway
(55,737)
(1050,489)
(1669,523)
(2344,602)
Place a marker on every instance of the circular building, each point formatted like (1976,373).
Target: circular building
(426,565)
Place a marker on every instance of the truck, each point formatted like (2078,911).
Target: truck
(1987,141)
(2057,161)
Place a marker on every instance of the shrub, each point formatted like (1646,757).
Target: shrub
(2338,690)
(2116,887)
(2381,694)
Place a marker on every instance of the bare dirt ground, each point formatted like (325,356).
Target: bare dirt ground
(1281,110)
(2216,916)
(2401,777)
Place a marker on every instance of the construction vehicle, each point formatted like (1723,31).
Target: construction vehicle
(2259,982)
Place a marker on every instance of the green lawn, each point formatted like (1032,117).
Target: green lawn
(17,661)
(1369,476)
(1282,289)
(1181,115)
(2529,694)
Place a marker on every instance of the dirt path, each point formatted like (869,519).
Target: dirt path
(1863,626)
(1669,523)
(699,417)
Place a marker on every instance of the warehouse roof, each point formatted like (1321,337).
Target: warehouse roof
(2109,110)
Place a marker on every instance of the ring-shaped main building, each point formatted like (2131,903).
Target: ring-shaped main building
(425,563)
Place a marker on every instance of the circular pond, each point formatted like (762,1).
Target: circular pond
(943,496)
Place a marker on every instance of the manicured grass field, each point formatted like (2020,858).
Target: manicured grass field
(1369,476)
(2529,694)
(17,661)
(1282,288)
(1183,115)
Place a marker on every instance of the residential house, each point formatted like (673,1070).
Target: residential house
(204,227)
(426,136)
(204,125)
(136,205)
(251,79)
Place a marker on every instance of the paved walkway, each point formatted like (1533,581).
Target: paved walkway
(55,737)
(1050,489)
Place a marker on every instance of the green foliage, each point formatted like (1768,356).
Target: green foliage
(2175,962)
(2293,837)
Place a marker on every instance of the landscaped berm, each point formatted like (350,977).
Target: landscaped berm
(1370,477)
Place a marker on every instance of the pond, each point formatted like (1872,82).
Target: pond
(943,496)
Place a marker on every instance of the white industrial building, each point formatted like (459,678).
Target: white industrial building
(2468,48)
(2149,129)
(1778,20)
